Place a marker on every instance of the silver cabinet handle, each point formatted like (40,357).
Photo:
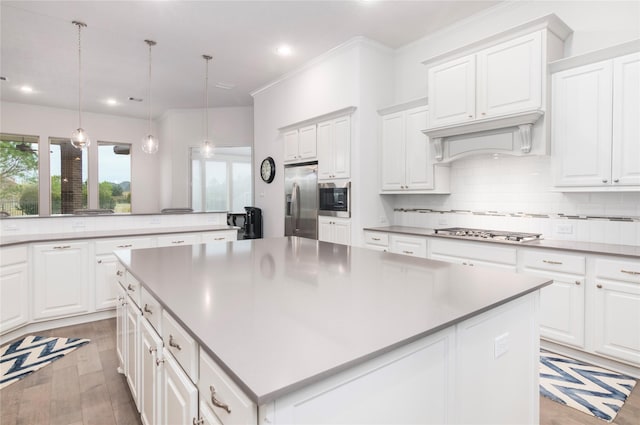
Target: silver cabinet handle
(174,344)
(216,402)
(159,362)
(198,421)
(577,282)
(218,239)
(408,252)
(176,242)
(599,286)
(152,350)
(375,239)
(631,272)
(119,273)
(616,180)
(124,246)
(605,181)
(552,262)
(470,116)
(146,309)
(62,247)
(131,288)
(99,261)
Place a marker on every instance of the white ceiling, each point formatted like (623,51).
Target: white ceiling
(39,46)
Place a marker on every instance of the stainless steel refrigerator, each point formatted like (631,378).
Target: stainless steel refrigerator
(301,200)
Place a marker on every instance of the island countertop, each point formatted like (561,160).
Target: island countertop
(281,313)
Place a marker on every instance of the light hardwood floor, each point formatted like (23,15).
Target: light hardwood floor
(84,388)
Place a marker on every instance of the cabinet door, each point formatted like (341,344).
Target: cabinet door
(342,232)
(581,131)
(14,290)
(562,311)
(616,320)
(325,229)
(150,351)
(325,150)
(626,125)
(121,329)
(342,147)
(451,92)
(307,142)
(419,172)
(132,362)
(179,395)
(106,281)
(291,145)
(510,77)
(61,279)
(393,152)
(207,416)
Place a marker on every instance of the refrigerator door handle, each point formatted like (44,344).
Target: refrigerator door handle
(295,206)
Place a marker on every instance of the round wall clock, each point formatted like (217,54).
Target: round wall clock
(268,169)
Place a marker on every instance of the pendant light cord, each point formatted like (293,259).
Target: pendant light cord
(206,97)
(149,91)
(79,25)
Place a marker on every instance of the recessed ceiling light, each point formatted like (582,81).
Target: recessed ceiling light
(112,102)
(26,89)
(284,50)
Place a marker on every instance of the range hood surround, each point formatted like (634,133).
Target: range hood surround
(508,135)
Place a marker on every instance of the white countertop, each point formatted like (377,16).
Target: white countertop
(589,247)
(281,313)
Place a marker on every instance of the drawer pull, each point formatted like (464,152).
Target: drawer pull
(631,272)
(599,286)
(146,309)
(577,282)
(124,246)
(216,402)
(174,344)
(120,273)
(159,362)
(62,247)
(177,242)
(407,252)
(131,288)
(152,350)
(218,239)
(552,262)
(375,239)
(198,421)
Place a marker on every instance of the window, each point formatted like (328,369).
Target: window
(114,176)
(68,177)
(19,175)
(223,181)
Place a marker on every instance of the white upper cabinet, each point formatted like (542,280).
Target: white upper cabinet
(300,144)
(500,80)
(407,163)
(334,148)
(596,127)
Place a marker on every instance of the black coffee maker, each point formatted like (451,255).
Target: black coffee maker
(253,223)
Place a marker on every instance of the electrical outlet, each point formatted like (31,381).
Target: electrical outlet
(564,229)
(501,345)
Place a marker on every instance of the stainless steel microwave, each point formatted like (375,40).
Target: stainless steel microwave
(334,199)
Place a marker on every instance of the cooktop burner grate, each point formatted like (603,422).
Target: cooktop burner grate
(488,234)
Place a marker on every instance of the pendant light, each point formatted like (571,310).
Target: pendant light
(149,142)
(206,148)
(79,137)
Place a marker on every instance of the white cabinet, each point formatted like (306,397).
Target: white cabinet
(414,246)
(595,125)
(14,288)
(616,312)
(334,148)
(178,239)
(407,160)
(121,323)
(377,241)
(562,304)
(132,351)
(150,354)
(300,144)
(61,279)
(473,253)
(336,230)
(179,396)
(219,236)
(500,80)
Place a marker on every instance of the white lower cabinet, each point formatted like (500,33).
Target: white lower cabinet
(61,279)
(336,230)
(219,236)
(132,353)
(150,388)
(414,246)
(473,253)
(14,288)
(179,395)
(377,241)
(121,323)
(562,304)
(616,309)
(207,417)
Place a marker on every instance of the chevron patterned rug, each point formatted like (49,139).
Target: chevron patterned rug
(590,389)
(31,353)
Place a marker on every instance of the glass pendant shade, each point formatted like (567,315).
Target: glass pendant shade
(80,139)
(206,148)
(150,144)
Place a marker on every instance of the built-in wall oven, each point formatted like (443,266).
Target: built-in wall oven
(334,199)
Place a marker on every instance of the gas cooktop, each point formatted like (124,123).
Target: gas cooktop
(498,235)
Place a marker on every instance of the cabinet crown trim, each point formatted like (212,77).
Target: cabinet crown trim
(410,104)
(595,56)
(314,120)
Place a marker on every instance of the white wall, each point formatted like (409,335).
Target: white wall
(46,122)
(181,129)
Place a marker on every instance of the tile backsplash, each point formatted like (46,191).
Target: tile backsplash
(520,188)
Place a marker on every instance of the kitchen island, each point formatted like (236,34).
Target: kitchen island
(310,331)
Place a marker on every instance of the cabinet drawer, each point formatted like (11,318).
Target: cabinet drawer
(13,255)
(408,245)
(181,345)
(625,270)
(486,252)
(133,288)
(375,238)
(106,246)
(219,236)
(553,261)
(216,385)
(178,239)
(151,310)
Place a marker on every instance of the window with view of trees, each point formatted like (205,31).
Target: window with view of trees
(68,177)
(221,182)
(19,175)
(114,175)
